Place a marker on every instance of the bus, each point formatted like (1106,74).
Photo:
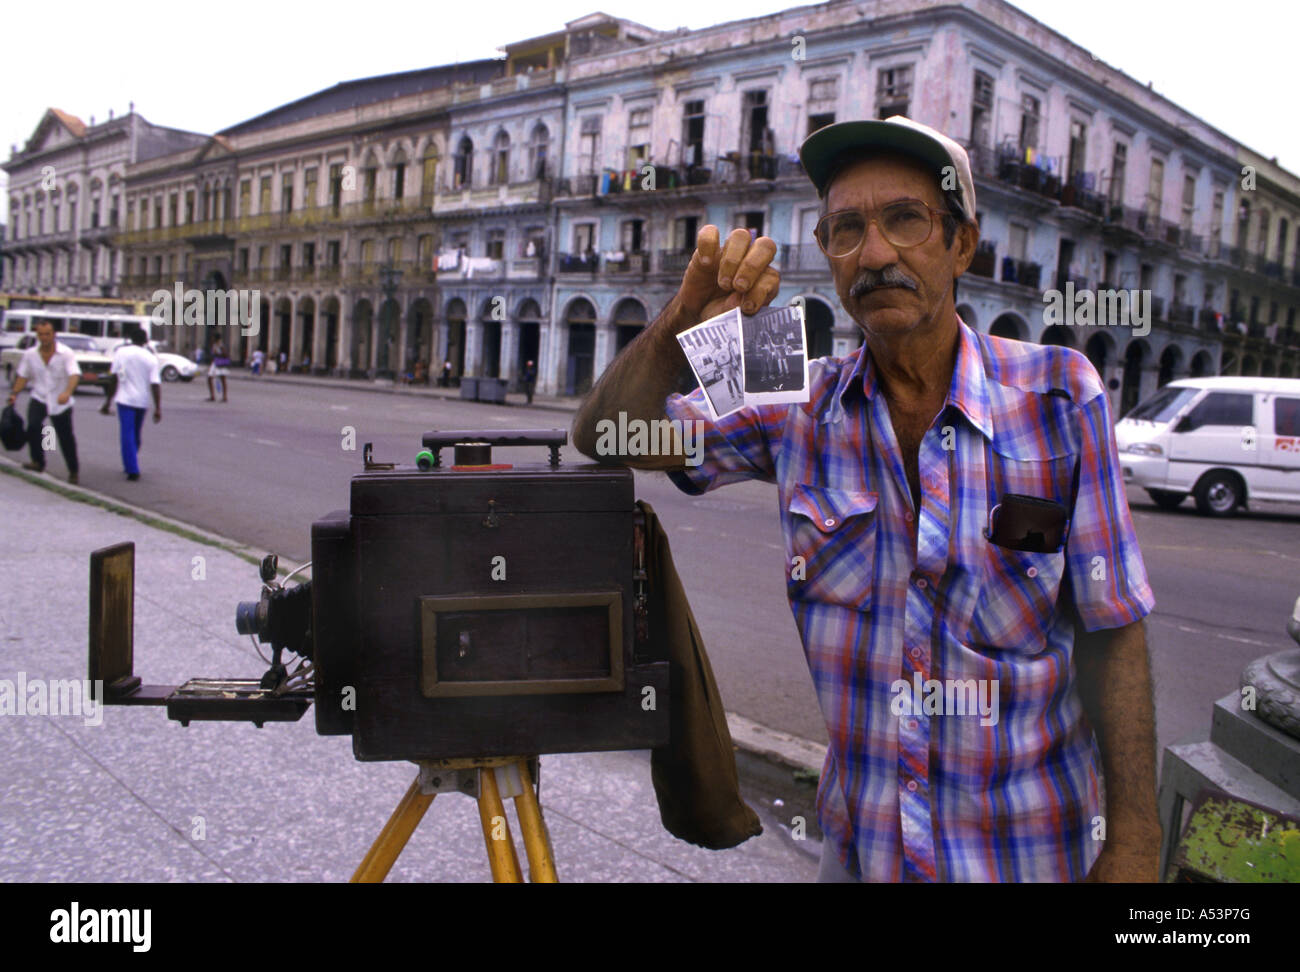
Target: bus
(104,321)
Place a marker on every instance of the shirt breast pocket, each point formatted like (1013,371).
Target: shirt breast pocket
(831,542)
(1018,596)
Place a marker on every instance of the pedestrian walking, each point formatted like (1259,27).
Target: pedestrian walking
(53,373)
(138,378)
(529,379)
(217,372)
(445,379)
(259,361)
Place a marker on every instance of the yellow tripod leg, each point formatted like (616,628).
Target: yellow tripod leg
(388,845)
(496,830)
(537,839)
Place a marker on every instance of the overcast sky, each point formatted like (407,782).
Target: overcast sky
(204,67)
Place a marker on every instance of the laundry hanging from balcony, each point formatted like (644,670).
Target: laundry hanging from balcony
(449,259)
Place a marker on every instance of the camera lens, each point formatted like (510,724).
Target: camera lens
(246,618)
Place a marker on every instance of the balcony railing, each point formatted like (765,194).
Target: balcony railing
(803,258)
(1208,319)
(1080,283)
(1157,308)
(1012,171)
(1182,314)
(984,262)
(1074,194)
(674,261)
(1021,272)
(578,263)
(632,263)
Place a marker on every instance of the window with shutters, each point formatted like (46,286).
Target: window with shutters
(893,90)
(589,145)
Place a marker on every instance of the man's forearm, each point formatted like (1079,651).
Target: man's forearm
(1114,673)
(72,385)
(637,383)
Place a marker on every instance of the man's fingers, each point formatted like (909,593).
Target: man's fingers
(706,244)
(761,294)
(733,252)
(757,259)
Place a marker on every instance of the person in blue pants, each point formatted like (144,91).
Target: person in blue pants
(138,378)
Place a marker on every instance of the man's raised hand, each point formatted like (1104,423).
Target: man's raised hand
(719,277)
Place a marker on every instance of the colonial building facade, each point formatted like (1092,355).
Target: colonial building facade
(65,201)
(543,206)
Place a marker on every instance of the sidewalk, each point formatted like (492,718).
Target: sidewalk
(553,403)
(139,798)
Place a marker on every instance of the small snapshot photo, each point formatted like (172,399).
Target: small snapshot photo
(713,349)
(776,356)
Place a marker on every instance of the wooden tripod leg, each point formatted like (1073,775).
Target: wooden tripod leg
(537,839)
(388,845)
(496,830)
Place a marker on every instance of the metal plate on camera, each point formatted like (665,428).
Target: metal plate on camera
(437,779)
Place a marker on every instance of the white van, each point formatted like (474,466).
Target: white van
(1223,440)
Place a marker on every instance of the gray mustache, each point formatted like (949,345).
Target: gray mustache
(890,276)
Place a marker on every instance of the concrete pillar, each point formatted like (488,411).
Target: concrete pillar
(319,337)
(343,353)
(401,339)
(604,350)
(509,351)
(295,334)
(473,337)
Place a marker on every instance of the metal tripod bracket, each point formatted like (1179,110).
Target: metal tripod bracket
(462,775)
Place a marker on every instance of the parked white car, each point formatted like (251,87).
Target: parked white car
(175,367)
(1224,441)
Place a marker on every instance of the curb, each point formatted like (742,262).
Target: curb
(786,751)
(553,405)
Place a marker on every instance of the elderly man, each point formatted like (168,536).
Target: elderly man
(53,373)
(911,597)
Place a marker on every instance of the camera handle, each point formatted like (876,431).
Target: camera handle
(485,439)
(487,778)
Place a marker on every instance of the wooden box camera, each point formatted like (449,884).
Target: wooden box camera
(480,609)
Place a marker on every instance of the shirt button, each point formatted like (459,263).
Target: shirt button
(1032,572)
(908,516)
(915,652)
(922,583)
(829,521)
(911,785)
(911,724)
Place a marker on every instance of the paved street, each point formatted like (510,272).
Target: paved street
(260,468)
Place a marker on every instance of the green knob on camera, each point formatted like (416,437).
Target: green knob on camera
(424,459)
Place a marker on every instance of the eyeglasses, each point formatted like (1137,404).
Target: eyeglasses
(902,224)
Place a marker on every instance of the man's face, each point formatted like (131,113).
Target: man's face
(923,274)
(45,336)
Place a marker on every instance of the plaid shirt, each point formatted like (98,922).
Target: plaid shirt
(887,596)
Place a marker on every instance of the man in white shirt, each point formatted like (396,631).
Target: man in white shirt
(53,373)
(138,377)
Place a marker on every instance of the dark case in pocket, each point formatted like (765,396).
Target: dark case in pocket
(1027,523)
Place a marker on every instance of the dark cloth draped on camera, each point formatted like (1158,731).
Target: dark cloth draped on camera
(694,775)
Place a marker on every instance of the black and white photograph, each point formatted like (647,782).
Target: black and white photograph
(776,359)
(715,354)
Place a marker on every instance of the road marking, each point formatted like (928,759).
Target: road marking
(267,442)
(338,408)
(1191,629)
(1218,550)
